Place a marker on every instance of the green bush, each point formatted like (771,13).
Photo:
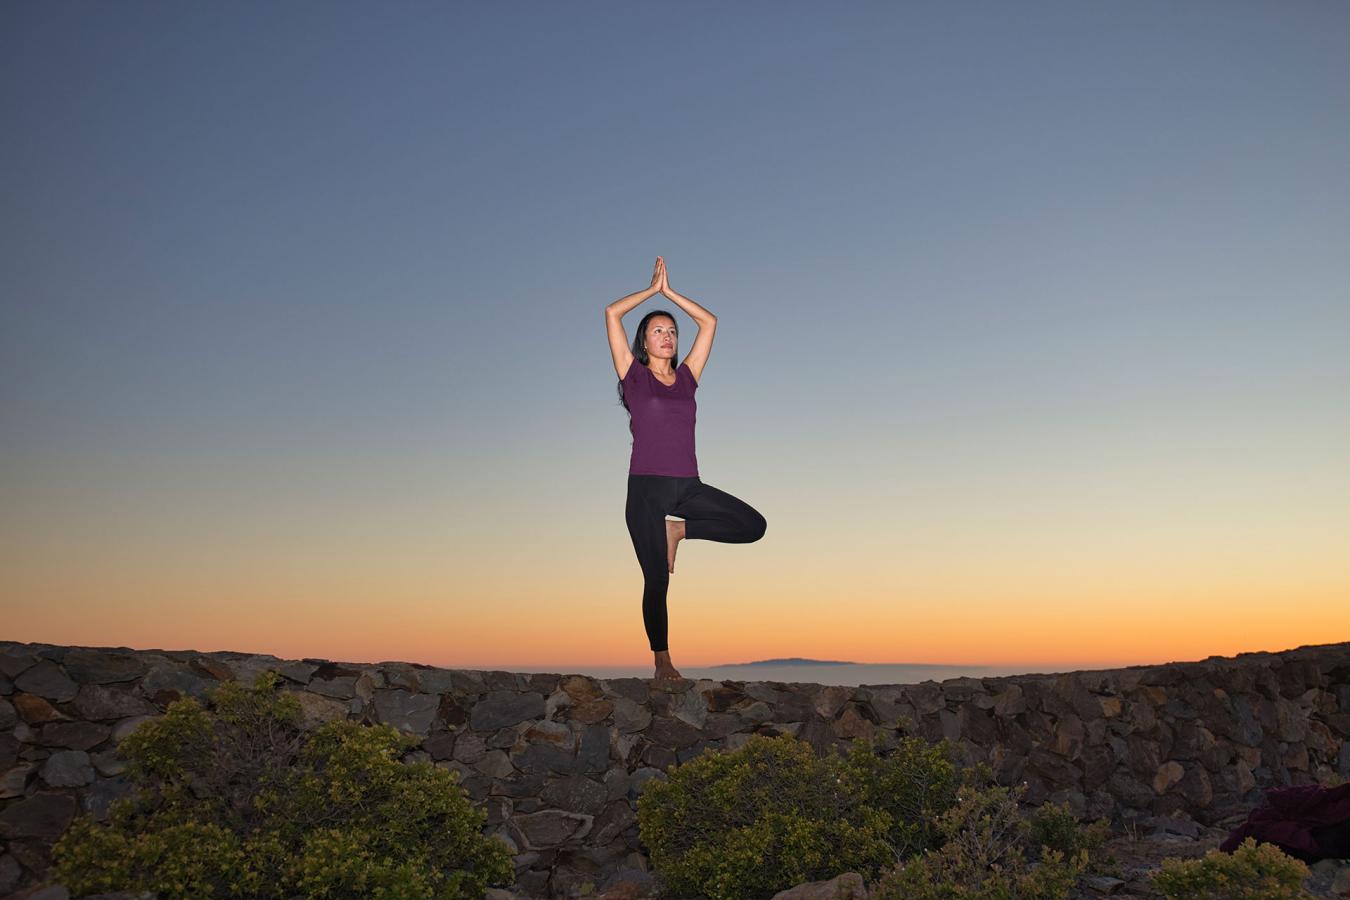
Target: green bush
(913,784)
(743,824)
(240,801)
(773,814)
(1254,871)
(985,854)
(1054,825)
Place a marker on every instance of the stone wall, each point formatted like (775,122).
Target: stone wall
(559,760)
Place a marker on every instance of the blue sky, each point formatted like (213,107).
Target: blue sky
(302,304)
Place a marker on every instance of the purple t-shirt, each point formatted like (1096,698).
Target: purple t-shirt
(663,422)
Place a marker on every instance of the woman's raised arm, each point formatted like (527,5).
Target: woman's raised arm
(618,338)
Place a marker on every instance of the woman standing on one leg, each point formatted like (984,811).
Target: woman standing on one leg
(663,469)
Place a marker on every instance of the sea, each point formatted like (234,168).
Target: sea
(834,673)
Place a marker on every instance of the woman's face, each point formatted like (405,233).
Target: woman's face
(662,338)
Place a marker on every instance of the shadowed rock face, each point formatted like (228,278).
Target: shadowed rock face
(559,760)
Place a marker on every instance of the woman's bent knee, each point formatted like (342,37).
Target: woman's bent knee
(759,526)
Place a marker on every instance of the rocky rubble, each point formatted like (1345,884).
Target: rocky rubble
(558,760)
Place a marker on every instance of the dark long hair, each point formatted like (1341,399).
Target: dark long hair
(641,356)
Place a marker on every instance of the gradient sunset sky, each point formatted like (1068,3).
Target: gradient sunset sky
(1033,341)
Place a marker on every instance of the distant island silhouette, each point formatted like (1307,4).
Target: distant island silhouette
(803,661)
(790,661)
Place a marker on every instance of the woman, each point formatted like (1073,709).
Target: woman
(663,469)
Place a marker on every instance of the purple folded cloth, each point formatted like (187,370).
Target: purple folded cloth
(1307,821)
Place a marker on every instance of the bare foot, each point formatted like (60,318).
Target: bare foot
(667,673)
(674,534)
(665,669)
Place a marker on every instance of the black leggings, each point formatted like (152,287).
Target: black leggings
(709,515)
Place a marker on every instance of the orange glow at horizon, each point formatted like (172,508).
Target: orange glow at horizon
(725,620)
